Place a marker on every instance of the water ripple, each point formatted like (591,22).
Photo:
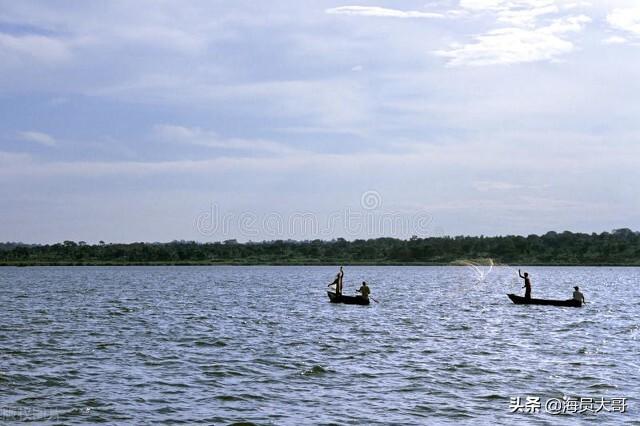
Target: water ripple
(262,345)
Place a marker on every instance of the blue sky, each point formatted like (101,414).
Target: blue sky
(136,121)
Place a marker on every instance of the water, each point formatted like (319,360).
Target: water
(218,345)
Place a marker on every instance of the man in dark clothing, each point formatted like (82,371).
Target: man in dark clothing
(338,282)
(527,284)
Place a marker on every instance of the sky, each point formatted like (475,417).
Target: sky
(211,120)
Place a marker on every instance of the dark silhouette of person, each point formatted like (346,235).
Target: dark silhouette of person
(335,282)
(364,290)
(338,282)
(527,284)
(577,295)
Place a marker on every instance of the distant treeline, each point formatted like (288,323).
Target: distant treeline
(619,247)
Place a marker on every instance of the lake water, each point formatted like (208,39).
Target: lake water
(218,345)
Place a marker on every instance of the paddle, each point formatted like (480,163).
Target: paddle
(373,298)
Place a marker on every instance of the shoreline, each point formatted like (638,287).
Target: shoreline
(347,263)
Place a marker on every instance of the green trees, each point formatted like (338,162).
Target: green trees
(619,247)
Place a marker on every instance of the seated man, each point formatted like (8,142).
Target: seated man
(364,290)
(577,295)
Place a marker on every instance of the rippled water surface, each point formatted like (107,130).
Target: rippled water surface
(218,345)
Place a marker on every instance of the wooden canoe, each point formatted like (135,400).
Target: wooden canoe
(519,300)
(348,300)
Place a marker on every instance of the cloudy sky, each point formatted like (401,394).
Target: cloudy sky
(207,120)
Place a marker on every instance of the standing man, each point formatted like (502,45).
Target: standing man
(527,284)
(577,295)
(338,282)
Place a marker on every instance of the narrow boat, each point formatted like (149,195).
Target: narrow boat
(519,300)
(348,300)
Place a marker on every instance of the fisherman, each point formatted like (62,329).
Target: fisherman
(577,295)
(527,284)
(364,291)
(338,282)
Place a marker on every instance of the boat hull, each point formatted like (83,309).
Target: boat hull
(519,300)
(348,300)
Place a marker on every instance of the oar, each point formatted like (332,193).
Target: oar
(370,297)
(373,298)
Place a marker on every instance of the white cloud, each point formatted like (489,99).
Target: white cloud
(515,45)
(480,156)
(484,186)
(28,48)
(513,12)
(163,38)
(626,19)
(197,136)
(297,76)
(567,24)
(615,40)
(336,104)
(37,137)
(381,12)
(482,4)
(535,32)
(526,17)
